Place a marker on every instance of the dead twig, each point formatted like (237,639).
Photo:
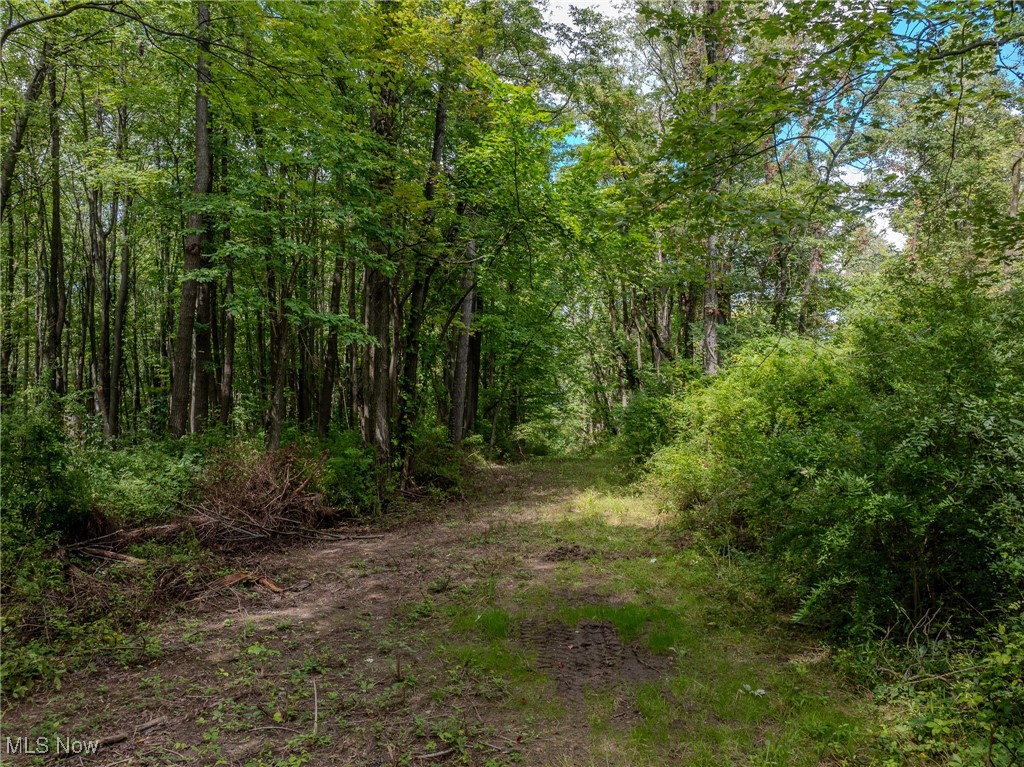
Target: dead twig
(108,554)
(435,755)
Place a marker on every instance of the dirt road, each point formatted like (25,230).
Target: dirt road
(552,617)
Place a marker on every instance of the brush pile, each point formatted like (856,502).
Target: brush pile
(242,503)
(256,500)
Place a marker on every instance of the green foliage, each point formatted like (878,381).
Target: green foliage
(644,427)
(139,484)
(348,479)
(436,463)
(44,488)
(956,702)
(56,491)
(57,619)
(881,477)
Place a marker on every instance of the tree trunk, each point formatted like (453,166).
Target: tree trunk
(808,307)
(201,379)
(7,340)
(780,253)
(379,295)
(227,376)
(120,312)
(10,159)
(331,361)
(352,352)
(712,267)
(460,376)
(1015,166)
(709,342)
(279,371)
(408,406)
(121,308)
(227,370)
(194,241)
(304,390)
(473,372)
(99,237)
(56,301)
(691,301)
(376,392)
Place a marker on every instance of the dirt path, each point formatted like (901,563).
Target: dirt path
(552,619)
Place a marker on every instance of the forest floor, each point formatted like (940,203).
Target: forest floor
(552,617)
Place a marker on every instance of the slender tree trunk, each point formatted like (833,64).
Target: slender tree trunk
(780,254)
(99,237)
(378,363)
(194,241)
(25,273)
(56,301)
(460,377)
(201,379)
(227,376)
(473,371)
(136,363)
(692,299)
(305,392)
(409,386)
(25,277)
(121,308)
(331,361)
(712,266)
(8,345)
(709,341)
(86,309)
(120,312)
(352,352)
(19,126)
(226,393)
(1015,167)
(808,308)
(279,371)
(378,296)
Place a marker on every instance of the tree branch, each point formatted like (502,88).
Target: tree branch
(8,31)
(986,43)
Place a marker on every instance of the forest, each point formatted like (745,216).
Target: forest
(637,383)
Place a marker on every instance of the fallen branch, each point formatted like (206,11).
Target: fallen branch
(108,554)
(134,535)
(150,724)
(234,579)
(436,754)
(269,585)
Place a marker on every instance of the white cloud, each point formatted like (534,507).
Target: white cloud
(883,227)
(879,217)
(557,11)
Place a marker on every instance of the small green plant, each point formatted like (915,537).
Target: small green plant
(348,478)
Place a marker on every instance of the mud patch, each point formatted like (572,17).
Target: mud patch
(589,655)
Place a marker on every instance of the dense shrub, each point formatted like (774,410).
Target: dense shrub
(951,701)
(881,474)
(55,490)
(645,426)
(436,462)
(348,479)
(44,490)
(139,484)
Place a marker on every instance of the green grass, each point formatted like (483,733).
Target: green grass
(734,695)
(456,664)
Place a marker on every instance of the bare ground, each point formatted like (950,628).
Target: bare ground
(502,629)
